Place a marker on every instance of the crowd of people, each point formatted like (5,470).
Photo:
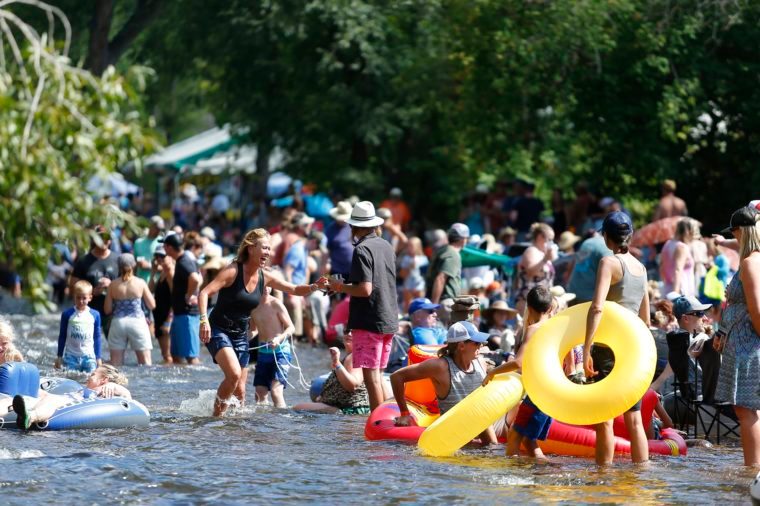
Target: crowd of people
(371,280)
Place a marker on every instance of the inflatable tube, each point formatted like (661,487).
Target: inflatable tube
(59,386)
(315,390)
(462,423)
(95,413)
(560,398)
(575,441)
(381,423)
(421,391)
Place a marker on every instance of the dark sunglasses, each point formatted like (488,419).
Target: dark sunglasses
(698,314)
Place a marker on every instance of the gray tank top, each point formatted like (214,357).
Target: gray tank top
(462,383)
(629,291)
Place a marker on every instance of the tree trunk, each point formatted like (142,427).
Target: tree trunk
(97,59)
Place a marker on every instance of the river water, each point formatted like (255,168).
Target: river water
(260,454)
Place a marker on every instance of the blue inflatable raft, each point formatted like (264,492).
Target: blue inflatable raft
(21,378)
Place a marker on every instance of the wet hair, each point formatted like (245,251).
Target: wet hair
(82,287)
(251,238)
(540,299)
(113,375)
(126,263)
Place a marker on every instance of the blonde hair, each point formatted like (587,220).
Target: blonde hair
(540,228)
(251,238)
(82,287)
(113,375)
(750,241)
(684,229)
(13,355)
(6,330)
(416,244)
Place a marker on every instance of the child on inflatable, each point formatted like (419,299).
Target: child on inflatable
(275,328)
(106,381)
(79,337)
(530,424)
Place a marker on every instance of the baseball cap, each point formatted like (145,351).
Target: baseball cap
(460,332)
(173,240)
(302,220)
(459,231)
(158,222)
(688,304)
(208,233)
(742,217)
(160,252)
(617,224)
(422,303)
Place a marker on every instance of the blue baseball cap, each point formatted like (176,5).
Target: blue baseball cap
(460,332)
(422,303)
(617,224)
(688,304)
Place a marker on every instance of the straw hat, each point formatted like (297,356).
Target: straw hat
(363,215)
(500,305)
(567,240)
(342,211)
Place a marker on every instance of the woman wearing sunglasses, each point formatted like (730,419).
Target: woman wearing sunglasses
(456,372)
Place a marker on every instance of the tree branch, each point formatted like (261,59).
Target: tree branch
(145,12)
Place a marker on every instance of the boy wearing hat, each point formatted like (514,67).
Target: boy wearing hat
(373,310)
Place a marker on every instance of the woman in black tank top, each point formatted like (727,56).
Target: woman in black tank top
(240,286)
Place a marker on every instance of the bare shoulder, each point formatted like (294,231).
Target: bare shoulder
(751,265)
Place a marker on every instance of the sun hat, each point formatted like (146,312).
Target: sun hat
(341,212)
(422,303)
(560,293)
(742,217)
(500,305)
(688,304)
(567,240)
(460,332)
(363,215)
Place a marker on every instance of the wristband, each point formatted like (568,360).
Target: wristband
(339,366)
(404,412)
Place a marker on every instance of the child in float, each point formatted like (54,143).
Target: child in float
(79,337)
(275,328)
(106,382)
(8,351)
(530,424)
(455,374)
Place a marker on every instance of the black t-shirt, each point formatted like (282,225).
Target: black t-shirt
(185,266)
(374,261)
(92,268)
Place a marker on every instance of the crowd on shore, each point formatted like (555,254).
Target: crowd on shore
(369,280)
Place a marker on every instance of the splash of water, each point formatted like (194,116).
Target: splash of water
(8,454)
(203,405)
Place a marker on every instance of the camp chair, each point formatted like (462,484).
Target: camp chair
(694,390)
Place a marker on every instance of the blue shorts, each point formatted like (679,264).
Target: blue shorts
(85,363)
(239,344)
(270,367)
(185,341)
(531,422)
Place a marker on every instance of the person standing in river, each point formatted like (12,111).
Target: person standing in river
(373,309)
(240,286)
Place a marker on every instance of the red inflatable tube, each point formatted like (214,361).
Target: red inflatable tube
(381,423)
(576,441)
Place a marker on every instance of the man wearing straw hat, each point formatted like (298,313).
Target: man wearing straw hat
(373,310)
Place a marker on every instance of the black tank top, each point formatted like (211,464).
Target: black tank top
(234,304)
(163,300)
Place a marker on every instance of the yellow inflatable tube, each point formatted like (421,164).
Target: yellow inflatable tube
(635,361)
(465,421)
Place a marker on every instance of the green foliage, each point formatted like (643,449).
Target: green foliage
(59,127)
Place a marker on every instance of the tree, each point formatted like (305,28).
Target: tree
(59,127)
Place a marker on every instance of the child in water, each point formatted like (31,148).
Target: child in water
(106,381)
(79,337)
(530,424)
(275,329)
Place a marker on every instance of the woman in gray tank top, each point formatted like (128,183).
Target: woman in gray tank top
(623,279)
(456,372)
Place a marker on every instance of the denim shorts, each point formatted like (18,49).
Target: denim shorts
(85,363)
(270,367)
(222,339)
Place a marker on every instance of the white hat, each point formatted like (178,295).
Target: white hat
(363,215)
(342,211)
(560,293)
(395,192)
(208,233)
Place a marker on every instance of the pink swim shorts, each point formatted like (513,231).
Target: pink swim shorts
(371,350)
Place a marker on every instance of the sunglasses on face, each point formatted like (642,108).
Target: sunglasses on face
(698,314)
